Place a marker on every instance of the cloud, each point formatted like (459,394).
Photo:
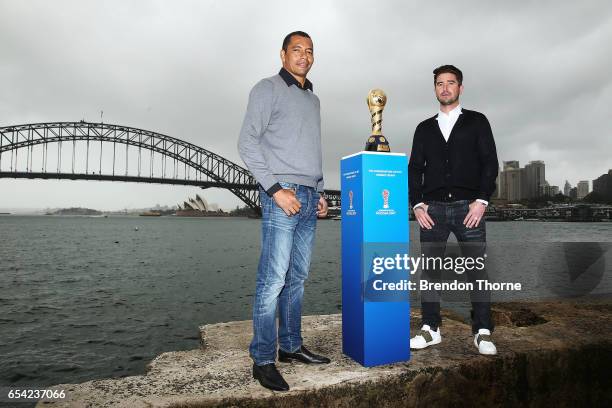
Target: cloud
(536,69)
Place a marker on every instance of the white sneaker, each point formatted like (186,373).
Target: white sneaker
(483,341)
(425,337)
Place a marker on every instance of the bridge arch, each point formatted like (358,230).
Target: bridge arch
(213,169)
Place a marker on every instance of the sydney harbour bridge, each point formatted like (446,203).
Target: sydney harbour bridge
(100,151)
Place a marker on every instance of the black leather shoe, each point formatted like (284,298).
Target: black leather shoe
(302,355)
(269,377)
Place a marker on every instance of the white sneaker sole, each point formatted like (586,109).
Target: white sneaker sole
(485,353)
(431,343)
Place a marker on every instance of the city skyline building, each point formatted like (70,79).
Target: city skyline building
(515,183)
(534,179)
(582,189)
(602,185)
(574,193)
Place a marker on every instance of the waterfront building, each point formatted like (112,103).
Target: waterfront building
(583,189)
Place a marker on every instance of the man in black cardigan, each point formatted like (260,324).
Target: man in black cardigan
(452,172)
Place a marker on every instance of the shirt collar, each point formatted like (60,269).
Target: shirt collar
(290,80)
(453,113)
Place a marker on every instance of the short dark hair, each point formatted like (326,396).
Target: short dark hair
(287,39)
(448,69)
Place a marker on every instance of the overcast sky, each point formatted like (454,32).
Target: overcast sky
(538,70)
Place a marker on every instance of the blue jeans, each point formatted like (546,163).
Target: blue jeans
(448,217)
(283,267)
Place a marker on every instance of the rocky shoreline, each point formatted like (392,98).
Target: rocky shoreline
(550,353)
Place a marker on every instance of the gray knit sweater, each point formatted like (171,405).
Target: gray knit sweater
(280,139)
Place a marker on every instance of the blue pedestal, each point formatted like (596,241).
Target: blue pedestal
(375,229)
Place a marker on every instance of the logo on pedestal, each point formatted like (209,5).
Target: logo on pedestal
(386,210)
(351,211)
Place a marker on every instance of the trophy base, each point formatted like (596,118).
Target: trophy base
(377,143)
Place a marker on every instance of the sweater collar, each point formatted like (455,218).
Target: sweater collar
(290,80)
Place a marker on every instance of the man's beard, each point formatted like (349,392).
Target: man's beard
(448,101)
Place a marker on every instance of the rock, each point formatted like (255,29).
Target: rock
(550,353)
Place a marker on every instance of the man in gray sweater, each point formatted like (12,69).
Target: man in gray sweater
(280,142)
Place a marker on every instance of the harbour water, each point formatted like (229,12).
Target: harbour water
(93,297)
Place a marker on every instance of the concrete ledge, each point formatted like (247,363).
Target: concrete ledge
(550,353)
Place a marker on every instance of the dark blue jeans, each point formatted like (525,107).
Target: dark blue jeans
(448,217)
(283,267)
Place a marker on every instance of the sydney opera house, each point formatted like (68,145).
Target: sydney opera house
(198,207)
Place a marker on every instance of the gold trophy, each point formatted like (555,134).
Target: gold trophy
(376,103)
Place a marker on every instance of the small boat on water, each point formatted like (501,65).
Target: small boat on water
(150,214)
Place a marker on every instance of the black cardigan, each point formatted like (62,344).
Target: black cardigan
(464,168)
